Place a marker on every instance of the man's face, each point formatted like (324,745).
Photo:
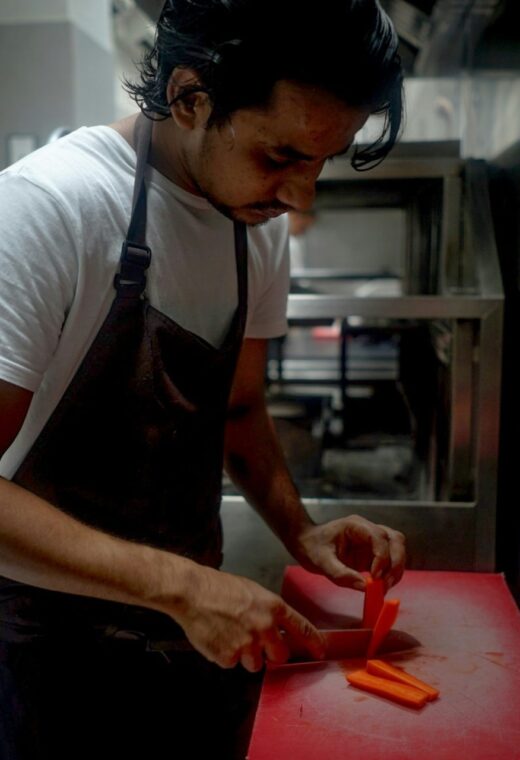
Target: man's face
(264,162)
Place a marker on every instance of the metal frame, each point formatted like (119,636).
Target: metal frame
(453,532)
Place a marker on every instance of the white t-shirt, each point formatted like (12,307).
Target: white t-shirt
(64,213)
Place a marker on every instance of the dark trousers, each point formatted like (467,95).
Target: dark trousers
(114,700)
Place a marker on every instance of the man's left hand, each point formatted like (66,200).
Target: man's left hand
(342,549)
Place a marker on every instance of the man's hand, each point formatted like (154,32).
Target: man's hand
(342,548)
(230,619)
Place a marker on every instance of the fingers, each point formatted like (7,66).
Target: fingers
(244,626)
(381,552)
(252,659)
(339,573)
(353,544)
(397,549)
(301,632)
(272,648)
(389,555)
(276,650)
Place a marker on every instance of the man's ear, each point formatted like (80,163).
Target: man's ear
(194,109)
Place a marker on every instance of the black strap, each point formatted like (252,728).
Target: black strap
(130,282)
(240,231)
(142,140)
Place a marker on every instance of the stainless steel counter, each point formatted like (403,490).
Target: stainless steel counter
(451,286)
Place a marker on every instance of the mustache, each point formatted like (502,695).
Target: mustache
(269,206)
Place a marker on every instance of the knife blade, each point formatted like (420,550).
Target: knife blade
(346,643)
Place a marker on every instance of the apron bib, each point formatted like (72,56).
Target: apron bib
(135,446)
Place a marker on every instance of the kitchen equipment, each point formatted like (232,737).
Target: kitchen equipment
(419,450)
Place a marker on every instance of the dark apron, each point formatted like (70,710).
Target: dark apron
(135,446)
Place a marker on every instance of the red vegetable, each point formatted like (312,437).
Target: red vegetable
(374,598)
(398,692)
(385,621)
(384,670)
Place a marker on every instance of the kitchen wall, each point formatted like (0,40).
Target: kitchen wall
(57,64)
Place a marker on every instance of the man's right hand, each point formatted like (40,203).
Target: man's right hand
(231,620)
(227,618)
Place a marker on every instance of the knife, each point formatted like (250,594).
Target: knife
(345,643)
(340,644)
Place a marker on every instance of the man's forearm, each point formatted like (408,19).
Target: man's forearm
(42,546)
(256,464)
(228,619)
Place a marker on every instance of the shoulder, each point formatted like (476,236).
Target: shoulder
(82,169)
(76,191)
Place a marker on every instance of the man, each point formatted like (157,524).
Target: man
(127,378)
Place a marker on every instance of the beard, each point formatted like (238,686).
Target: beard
(263,211)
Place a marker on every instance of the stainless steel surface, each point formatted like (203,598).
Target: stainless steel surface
(452,274)
(322,273)
(411,24)
(452,285)
(390,307)
(455,30)
(440,535)
(459,480)
(152,8)
(404,168)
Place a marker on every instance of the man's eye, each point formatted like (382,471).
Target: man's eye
(279,163)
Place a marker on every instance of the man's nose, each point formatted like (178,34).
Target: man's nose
(299,190)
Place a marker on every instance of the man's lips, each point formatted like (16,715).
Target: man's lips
(269,211)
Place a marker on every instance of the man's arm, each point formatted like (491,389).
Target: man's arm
(43,546)
(254,460)
(227,618)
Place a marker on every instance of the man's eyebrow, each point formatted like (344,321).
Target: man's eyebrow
(287,151)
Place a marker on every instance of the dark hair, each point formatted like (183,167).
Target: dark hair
(241,48)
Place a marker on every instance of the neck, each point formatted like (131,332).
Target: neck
(166,154)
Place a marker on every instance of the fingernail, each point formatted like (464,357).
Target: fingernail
(359,585)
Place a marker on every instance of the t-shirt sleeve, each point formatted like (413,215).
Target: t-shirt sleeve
(38,271)
(267,317)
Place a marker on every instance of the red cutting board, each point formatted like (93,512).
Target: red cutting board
(468,627)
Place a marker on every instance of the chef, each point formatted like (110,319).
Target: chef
(144,266)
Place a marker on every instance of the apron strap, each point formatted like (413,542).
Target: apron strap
(130,281)
(240,231)
(143,140)
(136,256)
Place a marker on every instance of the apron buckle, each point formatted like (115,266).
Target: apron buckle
(135,260)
